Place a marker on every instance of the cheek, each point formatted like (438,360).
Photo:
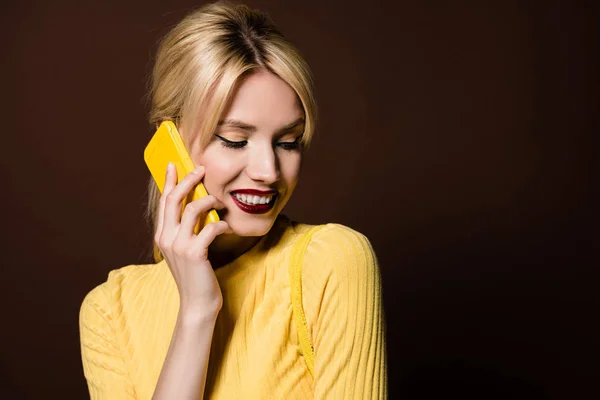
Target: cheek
(290,169)
(220,170)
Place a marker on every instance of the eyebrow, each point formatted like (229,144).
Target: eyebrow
(232,123)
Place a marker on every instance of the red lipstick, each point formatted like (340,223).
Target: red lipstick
(255,192)
(254,208)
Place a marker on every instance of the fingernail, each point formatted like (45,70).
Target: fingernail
(199,169)
(170,166)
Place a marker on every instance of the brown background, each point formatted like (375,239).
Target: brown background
(458,136)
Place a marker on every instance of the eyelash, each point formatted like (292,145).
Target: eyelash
(240,145)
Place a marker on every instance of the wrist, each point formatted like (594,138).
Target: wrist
(191,316)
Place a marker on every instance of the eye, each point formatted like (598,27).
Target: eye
(290,145)
(230,144)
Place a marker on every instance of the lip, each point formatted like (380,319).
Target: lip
(256,208)
(255,192)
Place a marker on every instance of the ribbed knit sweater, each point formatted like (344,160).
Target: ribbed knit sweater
(126,323)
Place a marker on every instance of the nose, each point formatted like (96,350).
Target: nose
(263,165)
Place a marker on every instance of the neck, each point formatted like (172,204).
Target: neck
(227,247)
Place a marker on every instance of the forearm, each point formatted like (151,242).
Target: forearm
(183,375)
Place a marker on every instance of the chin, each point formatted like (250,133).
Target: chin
(251,226)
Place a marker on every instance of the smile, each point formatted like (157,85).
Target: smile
(254,204)
(253,200)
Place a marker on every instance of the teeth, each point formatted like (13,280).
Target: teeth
(251,200)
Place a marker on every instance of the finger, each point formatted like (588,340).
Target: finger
(170,182)
(175,197)
(197,210)
(209,233)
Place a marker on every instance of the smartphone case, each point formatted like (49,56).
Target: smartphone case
(166,145)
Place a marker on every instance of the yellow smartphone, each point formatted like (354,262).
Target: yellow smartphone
(166,145)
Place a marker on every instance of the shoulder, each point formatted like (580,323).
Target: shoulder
(339,253)
(326,238)
(340,274)
(120,283)
(336,242)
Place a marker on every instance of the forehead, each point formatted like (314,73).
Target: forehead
(264,100)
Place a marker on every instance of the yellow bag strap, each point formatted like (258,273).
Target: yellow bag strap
(296,261)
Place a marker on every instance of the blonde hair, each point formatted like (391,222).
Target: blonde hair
(200,61)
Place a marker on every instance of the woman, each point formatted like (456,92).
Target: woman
(214,318)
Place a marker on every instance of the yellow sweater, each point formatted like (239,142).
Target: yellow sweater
(127,322)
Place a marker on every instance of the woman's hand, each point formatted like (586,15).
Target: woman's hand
(185,252)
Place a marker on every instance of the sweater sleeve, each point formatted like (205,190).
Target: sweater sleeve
(103,365)
(342,282)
